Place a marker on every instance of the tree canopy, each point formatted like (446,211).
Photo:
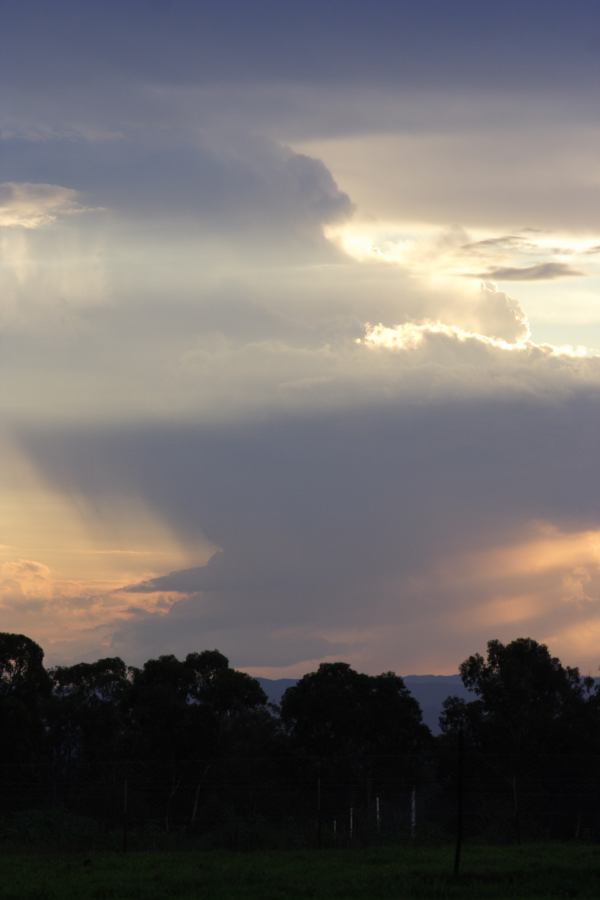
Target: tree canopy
(526,699)
(336,711)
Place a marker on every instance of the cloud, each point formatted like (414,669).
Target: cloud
(338,531)
(23,578)
(29,205)
(415,336)
(235,182)
(228,41)
(471,174)
(504,242)
(539,272)
(51,610)
(210,341)
(72,619)
(210,326)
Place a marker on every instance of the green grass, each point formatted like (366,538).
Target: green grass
(533,871)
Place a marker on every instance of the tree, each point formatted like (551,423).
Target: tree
(531,718)
(103,681)
(87,716)
(24,689)
(179,707)
(336,711)
(360,735)
(526,698)
(225,690)
(22,672)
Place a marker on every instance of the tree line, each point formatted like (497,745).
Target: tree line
(197,747)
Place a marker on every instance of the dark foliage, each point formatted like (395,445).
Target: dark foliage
(192,747)
(527,731)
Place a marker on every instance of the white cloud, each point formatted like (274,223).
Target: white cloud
(414,336)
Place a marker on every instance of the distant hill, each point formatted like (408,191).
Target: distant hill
(429,691)
(275,688)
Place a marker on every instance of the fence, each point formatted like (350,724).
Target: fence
(253,801)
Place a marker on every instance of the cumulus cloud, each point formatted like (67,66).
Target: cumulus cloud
(539,272)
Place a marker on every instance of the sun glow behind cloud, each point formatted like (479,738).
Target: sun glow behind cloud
(63,572)
(545,583)
(428,251)
(70,618)
(556,275)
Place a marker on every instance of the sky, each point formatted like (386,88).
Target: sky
(300,330)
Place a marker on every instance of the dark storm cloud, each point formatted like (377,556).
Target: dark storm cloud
(339,40)
(540,272)
(249,181)
(318,517)
(116,100)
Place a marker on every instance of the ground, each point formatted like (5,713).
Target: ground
(536,871)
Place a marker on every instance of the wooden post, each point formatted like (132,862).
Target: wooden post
(125,811)
(319,820)
(195,806)
(351,823)
(377,815)
(413,813)
(515,793)
(369,817)
(459,801)
(173,791)
(197,797)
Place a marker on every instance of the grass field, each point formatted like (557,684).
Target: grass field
(390,874)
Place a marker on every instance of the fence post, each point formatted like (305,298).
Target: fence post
(515,794)
(459,801)
(413,813)
(319,819)
(369,812)
(125,806)
(377,815)
(195,806)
